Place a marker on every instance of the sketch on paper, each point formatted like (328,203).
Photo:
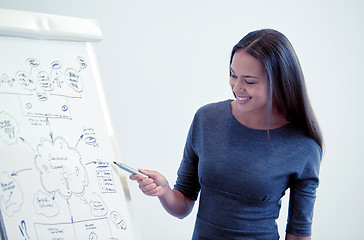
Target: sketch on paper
(45,205)
(11,197)
(8,129)
(45,93)
(117,220)
(60,167)
(61,155)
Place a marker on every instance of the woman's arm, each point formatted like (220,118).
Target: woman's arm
(176,203)
(295,237)
(173,201)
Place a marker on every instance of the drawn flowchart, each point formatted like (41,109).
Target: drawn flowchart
(62,175)
(37,89)
(57,181)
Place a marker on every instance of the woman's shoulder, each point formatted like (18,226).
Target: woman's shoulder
(214,108)
(303,144)
(212,113)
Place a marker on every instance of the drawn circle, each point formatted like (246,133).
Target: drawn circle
(122,224)
(82,62)
(93,236)
(44,81)
(28,106)
(90,140)
(25,80)
(33,62)
(64,108)
(73,79)
(5,77)
(56,65)
(115,217)
(42,97)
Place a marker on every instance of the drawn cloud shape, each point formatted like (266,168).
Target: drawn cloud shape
(45,205)
(25,80)
(97,206)
(11,196)
(8,128)
(73,79)
(61,168)
(117,220)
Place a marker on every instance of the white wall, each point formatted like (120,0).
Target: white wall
(160,60)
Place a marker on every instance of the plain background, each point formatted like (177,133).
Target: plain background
(161,60)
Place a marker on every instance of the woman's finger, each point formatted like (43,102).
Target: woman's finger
(146,188)
(154,192)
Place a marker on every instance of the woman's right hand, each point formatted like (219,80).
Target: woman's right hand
(155,185)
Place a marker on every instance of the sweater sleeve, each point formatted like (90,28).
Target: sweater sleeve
(187,181)
(303,195)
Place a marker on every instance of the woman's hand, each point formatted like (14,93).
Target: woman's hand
(155,185)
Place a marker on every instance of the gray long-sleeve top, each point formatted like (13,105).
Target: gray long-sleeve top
(241,177)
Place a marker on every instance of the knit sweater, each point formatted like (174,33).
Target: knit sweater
(241,176)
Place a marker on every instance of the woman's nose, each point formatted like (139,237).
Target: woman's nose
(239,86)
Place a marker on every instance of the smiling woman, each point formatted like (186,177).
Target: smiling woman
(271,51)
(242,155)
(249,84)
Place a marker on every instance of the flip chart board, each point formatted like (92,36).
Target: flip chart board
(56,137)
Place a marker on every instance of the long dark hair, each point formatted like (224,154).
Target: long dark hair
(287,90)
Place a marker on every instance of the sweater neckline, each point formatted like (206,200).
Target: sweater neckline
(236,122)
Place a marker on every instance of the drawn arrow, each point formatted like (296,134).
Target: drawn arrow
(84,200)
(81,137)
(25,142)
(50,131)
(16,173)
(51,135)
(93,162)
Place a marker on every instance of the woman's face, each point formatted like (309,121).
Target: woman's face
(249,83)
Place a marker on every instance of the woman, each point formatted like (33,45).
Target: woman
(241,155)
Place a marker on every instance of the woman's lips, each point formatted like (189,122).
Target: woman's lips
(242,100)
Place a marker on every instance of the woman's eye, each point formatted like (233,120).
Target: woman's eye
(247,82)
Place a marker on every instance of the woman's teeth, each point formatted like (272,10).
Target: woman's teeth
(243,98)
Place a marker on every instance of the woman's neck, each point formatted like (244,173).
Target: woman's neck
(259,120)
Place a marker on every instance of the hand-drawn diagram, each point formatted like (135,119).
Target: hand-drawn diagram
(8,129)
(60,168)
(11,198)
(87,229)
(45,94)
(71,179)
(97,206)
(89,137)
(62,173)
(45,205)
(67,83)
(105,181)
(117,220)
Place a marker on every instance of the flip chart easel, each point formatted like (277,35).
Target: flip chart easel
(56,138)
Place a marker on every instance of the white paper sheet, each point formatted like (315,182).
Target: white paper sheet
(57,146)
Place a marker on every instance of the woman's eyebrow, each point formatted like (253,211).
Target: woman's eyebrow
(244,76)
